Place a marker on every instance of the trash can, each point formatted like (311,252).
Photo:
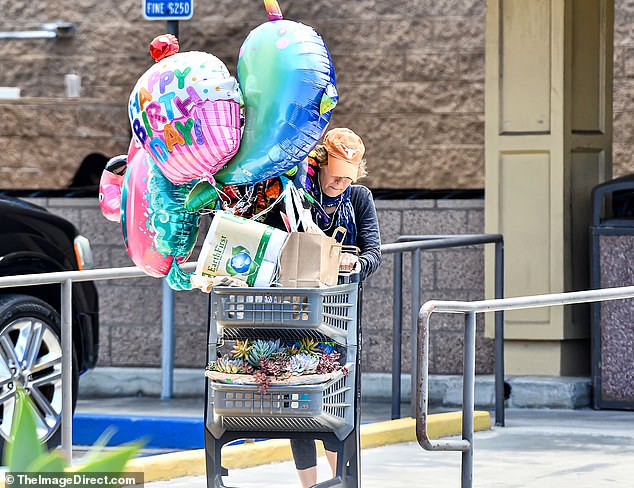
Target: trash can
(612,265)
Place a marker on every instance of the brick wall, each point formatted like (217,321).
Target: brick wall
(410,77)
(130,309)
(623,104)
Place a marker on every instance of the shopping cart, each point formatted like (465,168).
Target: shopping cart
(327,411)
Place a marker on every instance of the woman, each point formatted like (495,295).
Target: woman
(337,164)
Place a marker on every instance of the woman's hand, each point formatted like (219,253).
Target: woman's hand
(347,261)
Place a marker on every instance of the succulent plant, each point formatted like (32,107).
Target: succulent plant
(226,364)
(329,363)
(302,363)
(269,360)
(275,366)
(262,349)
(308,346)
(242,349)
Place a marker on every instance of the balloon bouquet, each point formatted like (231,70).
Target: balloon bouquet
(196,130)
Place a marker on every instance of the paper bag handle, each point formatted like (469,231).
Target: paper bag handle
(351,249)
(339,230)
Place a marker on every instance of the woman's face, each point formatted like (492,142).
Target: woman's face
(333,186)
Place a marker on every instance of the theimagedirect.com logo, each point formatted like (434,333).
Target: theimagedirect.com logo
(72,480)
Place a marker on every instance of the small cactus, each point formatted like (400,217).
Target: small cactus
(309,346)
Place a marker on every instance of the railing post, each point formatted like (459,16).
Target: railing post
(167,343)
(415,310)
(499,336)
(468,397)
(397,328)
(66,316)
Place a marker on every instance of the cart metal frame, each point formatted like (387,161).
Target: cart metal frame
(348,459)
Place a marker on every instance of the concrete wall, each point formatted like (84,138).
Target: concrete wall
(130,310)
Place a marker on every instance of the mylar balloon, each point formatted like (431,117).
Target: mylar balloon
(110,185)
(158,232)
(288,83)
(186,112)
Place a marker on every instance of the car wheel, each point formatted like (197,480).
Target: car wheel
(31,357)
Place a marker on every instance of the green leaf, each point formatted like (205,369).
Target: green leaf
(24,446)
(97,448)
(51,462)
(25,453)
(110,461)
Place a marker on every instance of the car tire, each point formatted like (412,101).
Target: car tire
(30,356)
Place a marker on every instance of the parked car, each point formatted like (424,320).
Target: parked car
(33,240)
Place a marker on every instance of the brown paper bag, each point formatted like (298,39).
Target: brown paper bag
(310,260)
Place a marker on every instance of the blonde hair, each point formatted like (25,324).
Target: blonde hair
(321,156)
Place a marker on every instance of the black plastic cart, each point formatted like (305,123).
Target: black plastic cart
(325,411)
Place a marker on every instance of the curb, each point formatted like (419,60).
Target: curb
(192,463)
(444,390)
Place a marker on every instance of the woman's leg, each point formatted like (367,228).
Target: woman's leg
(332,460)
(305,456)
(307,477)
(331,454)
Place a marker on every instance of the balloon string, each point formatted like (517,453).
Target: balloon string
(273,10)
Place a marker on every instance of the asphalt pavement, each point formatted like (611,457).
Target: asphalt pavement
(536,449)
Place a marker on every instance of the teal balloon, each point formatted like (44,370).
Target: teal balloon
(289,88)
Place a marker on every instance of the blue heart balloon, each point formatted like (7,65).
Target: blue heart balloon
(289,89)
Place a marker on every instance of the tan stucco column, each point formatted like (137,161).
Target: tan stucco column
(548,142)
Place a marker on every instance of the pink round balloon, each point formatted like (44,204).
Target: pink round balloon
(185,111)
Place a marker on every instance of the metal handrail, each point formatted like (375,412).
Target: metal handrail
(470,309)
(66,279)
(415,244)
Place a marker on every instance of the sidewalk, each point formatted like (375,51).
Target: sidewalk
(536,449)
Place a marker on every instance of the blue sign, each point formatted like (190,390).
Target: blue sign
(168,10)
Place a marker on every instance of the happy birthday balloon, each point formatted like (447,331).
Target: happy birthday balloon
(186,112)
(288,84)
(157,230)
